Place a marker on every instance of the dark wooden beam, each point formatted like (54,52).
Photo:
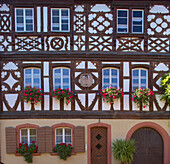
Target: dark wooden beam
(85,115)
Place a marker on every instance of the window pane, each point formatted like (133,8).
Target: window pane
(137,28)
(106,80)
(20,20)
(29,27)
(137,13)
(28,80)
(143,81)
(65,71)
(106,72)
(32,131)
(68,139)
(19,12)
(135,72)
(114,72)
(24,139)
(28,71)
(122,13)
(136,81)
(66,80)
(59,139)
(32,139)
(36,71)
(64,13)
(57,71)
(28,12)
(55,19)
(143,72)
(55,12)
(57,80)
(67,131)
(122,21)
(114,80)
(24,132)
(59,131)
(64,27)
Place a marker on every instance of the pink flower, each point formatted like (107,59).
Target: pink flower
(38,91)
(144,106)
(35,101)
(30,98)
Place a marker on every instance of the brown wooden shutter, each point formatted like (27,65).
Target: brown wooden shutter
(41,139)
(79,139)
(11,140)
(49,139)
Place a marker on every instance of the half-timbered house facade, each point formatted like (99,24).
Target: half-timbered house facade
(84,46)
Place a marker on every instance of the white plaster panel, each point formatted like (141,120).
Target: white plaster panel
(79,8)
(81,97)
(161,67)
(116,104)
(96,105)
(45,14)
(56,104)
(91,98)
(10,66)
(126,102)
(158,82)
(96,88)
(134,106)
(154,89)
(77,73)
(46,85)
(27,106)
(125,68)
(100,8)
(46,68)
(154,75)
(77,88)
(61,62)
(11,99)
(105,106)
(91,65)
(4,7)
(77,106)
(38,19)
(81,65)
(37,106)
(19,107)
(146,63)
(160,102)
(46,102)
(159,9)
(10,81)
(67,107)
(30,62)
(4,107)
(126,85)
(110,62)
(95,74)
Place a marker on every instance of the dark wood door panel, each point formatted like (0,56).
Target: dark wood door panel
(99,145)
(149,147)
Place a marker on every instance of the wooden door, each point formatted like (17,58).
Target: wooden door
(99,145)
(149,147)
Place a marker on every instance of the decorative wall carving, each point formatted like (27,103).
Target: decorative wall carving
(57,43)
(79,43)
(5,23)
(28,43)
(130,44)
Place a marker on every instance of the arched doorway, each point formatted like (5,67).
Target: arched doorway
(149,146)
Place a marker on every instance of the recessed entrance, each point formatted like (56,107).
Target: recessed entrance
(149,146)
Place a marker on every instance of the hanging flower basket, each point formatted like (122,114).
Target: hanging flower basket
(33,95)
(63,150)
(63,93)
(111,93)
(142,97)
(27,151)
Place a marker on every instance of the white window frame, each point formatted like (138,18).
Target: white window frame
(60,20)
(139,79)
(28,135)
(127,20)
(61,76)
(32,76)
(24,15)
(142,20)
(63,134)
(110,76)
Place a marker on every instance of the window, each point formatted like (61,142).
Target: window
(122,21)
(61,78)
(137,21)
(24,19)
(139,78)
(110,77)
(28,135)
(60,20)
(63,135)
(32,77)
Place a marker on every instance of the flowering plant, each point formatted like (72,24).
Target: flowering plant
(142,97)
(63,150)
(32,94)
(63,93)
(27,150)
(111,93)
(165,86)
